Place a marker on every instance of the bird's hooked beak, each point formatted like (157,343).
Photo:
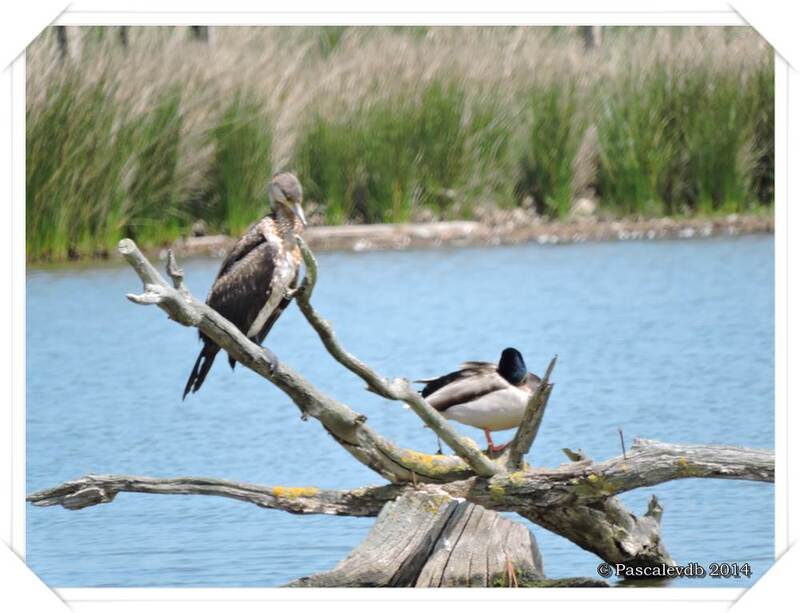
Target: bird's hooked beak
(298,210)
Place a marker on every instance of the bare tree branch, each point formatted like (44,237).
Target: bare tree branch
(397,389)
(345,425)
(539,490)
(100,489)
(176,274)
(648,463)
(529,428)
(608,530)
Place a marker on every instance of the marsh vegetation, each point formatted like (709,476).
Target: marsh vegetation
(388,125)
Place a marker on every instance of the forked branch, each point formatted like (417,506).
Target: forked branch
(346,426)
(396,389)
(539,492)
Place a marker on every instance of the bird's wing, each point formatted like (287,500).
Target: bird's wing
(243,286)
(459,388)
(435,383)
(262,334)
(532,381)
(467,369)
(248,241)
(479,367)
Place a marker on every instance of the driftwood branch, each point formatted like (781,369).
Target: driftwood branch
(534,491)
(647,463)
(102,489)
(529,428)
(345,425)
(397,389)
(575,500)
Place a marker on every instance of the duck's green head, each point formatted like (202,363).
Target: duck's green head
(512,367)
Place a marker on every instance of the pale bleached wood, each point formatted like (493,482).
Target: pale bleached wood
(91,490)
(523,439)
(429,539)
(575,500)
(395,549)
(533,491)
(480,548)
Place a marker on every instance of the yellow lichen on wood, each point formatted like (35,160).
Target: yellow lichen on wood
(594,484)
(496,490)
(294,492)
(688,469)
(424,463)
(435,503)
(517,478)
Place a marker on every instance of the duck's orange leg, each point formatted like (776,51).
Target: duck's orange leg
(492,447)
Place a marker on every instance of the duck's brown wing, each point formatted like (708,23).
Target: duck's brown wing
(473,380)
(466,369)
(466,389)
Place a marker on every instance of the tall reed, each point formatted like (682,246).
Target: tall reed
(557,125)
(242,142)
(387,124)
(376,164)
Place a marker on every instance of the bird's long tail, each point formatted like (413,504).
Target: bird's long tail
(201,367)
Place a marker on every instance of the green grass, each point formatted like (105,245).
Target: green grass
(639,145)
(388,125)
(78,147)
(557,124)
(687,141)
(376,164)
(98,172)
(242,141)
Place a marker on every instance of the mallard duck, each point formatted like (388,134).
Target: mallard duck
(489,396)
(253,285)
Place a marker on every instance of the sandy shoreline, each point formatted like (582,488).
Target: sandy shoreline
(383,237)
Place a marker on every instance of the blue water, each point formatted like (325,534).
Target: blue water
(669,340)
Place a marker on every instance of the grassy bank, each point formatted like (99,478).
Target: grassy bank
(387,125)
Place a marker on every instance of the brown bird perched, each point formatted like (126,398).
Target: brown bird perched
(253,285)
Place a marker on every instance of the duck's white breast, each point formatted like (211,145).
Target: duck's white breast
(500,410)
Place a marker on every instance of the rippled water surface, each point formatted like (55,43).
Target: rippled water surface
(668,340)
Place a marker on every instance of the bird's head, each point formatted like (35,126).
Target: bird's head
(511,366)
(285,191)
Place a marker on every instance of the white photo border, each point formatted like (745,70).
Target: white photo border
(12,271)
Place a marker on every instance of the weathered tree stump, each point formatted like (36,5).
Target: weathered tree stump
(481,548)
(424,539)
